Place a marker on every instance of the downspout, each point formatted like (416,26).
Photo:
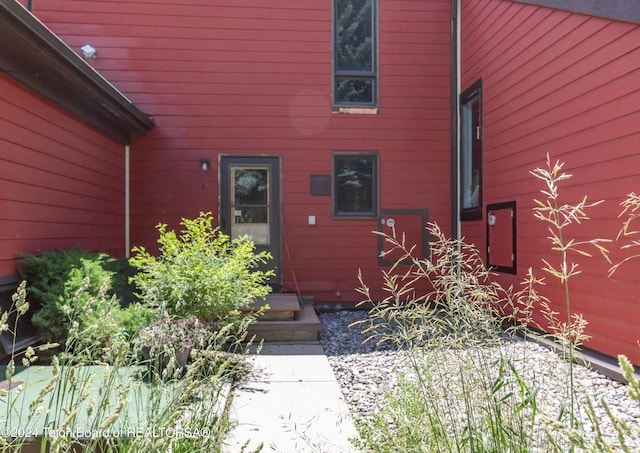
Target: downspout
(127,203)
(455,114)
(29,5)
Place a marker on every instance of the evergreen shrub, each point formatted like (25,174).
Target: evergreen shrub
(88,287)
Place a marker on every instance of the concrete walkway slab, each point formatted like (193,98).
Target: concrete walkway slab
(290,403)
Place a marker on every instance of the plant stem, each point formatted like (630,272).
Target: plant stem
(570,342)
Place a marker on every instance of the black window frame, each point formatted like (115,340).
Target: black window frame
(471,171)
(375,189)
(355,75)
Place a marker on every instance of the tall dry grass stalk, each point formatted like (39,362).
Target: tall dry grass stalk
(558,216)
(466,392)
(631,213)
(459,300)
(121,406)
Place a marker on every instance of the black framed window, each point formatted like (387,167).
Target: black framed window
(471,152)
(355,185)
(355,59)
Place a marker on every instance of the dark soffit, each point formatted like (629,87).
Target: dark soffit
(622,10)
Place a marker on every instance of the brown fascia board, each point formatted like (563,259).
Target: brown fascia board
(622,10)
(34,56)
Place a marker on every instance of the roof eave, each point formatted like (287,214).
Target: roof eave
(621,10)
(34,56)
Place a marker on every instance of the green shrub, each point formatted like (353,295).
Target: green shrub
(47,273)
(53,279)
(121,286)
(77,285)
(202,272)
(134,317)
(93,320)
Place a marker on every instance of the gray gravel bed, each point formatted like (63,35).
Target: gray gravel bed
(366,372)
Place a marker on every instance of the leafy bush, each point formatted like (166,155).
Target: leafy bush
(135,317)
(202,272)
(121,286)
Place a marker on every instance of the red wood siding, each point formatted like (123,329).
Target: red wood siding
(61,183)
(568,85)
(254,77)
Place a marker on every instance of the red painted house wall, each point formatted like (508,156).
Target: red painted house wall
(564,84)
(61,182)
(254,77)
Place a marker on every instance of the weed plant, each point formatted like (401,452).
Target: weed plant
(469,389)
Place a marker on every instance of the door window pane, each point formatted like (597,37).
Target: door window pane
(250,204)
(250,186)
(251,215)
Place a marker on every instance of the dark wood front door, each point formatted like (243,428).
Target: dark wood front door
(250,204)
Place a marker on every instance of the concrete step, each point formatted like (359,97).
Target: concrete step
(282,307)
(305,327)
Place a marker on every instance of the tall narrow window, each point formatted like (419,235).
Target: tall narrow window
(355,190)
(354,50)
(471,152)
